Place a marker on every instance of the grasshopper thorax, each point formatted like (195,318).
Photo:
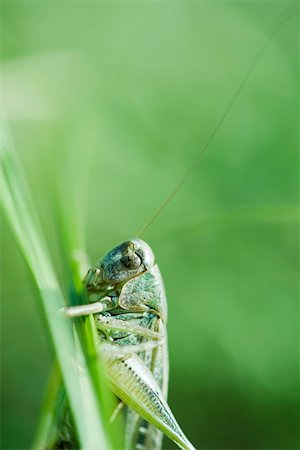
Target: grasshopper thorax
(125,261)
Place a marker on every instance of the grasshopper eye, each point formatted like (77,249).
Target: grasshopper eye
(131,261)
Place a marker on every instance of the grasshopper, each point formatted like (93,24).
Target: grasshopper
(128,299)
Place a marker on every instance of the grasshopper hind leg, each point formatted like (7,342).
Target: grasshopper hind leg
(140,434)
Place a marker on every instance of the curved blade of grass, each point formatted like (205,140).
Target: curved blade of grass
(20,213)
(74,263)
(70,226)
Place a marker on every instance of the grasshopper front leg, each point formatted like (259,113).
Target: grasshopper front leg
(100,306)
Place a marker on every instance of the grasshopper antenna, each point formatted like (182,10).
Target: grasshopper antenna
(276,27)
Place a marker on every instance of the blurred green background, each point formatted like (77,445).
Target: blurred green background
(108,103)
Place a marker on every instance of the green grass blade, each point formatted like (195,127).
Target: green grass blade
(20,213)
(71,243)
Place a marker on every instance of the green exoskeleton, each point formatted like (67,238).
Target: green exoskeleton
(128,300)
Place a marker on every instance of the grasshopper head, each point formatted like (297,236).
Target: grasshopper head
(125,261)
